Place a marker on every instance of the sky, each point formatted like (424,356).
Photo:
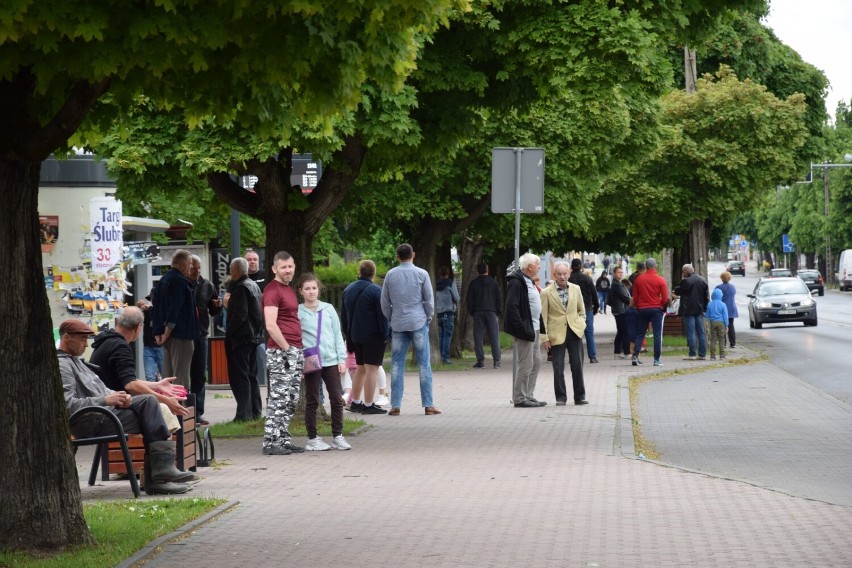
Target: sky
(821,32)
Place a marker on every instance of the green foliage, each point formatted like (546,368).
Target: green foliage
(254,428)
(721,148)
(120,529)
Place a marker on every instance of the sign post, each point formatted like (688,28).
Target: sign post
(517,186)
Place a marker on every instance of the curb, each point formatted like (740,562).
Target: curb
(156,546)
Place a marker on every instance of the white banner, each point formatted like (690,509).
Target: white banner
(107,240)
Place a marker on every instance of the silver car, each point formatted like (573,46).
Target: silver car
(781,300)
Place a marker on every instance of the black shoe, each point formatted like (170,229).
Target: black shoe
(277,451)
(538,402)
(560,403)
(636,361)
(357,407)
(496,364)
(593,360)
(373,409)
(294,449)
(526,404)
(479,365)
(581,402)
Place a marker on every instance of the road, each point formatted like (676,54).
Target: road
(817,355)
(782,424)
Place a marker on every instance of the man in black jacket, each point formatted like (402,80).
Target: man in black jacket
(590,299)
(243,333)
(523,314)
(694,294)
(483,304)
(207,305)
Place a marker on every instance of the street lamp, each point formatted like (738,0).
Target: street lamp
(829,265)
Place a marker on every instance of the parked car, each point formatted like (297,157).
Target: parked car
(736,267)
(780,273)
(781,300)
(813,280)
(844,270)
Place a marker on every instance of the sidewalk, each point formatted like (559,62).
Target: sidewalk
(486,484)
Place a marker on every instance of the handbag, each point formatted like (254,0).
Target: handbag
(313,363)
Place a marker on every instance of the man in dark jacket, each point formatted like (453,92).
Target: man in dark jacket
(483,304)
(116,363)
(366,330)
(619,301)
(522,321)
(243,332)
(207,305)
(175,325)
(694,296)
(590,300)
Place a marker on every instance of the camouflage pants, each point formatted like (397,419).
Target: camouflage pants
(285,374)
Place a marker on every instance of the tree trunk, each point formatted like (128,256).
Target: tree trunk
(39,489)
(470,256)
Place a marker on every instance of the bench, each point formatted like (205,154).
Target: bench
(119,439)
(113,461)
(672,325)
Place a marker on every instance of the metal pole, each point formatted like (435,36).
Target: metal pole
(518,162)
(829,265)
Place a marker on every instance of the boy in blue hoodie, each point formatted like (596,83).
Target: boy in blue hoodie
(717,318)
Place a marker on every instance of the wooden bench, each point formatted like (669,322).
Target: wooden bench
(672,325)
(112,461)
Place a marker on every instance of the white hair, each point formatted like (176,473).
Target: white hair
(527,259)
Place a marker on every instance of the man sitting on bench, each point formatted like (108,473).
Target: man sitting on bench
(137,414)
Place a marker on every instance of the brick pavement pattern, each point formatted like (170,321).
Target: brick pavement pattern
(486,484)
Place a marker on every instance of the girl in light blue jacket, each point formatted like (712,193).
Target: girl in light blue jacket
(314,315)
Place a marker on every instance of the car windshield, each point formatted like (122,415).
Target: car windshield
(808,273)
(781,288)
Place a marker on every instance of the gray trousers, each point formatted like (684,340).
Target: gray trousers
(177,360)
(529,361)
(143,417)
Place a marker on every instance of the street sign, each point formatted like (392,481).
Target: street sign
(786,244)
(504,179)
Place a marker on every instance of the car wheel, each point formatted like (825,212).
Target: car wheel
(822,292)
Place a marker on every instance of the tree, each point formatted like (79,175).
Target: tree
(723,147)
(58,60)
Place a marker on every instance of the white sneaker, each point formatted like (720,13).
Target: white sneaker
(382,400)
(340,443)
(316,445)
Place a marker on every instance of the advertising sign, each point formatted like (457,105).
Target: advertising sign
(107,239)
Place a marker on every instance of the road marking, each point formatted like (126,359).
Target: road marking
(837,323)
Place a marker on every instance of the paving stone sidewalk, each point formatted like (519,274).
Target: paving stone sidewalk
(486,484)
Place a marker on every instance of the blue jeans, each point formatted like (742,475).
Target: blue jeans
(654,316)
(590,335)
(446,323)
(401,341)
(153,363)
(602,296)
(695,325)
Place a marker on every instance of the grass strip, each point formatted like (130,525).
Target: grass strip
(120,529)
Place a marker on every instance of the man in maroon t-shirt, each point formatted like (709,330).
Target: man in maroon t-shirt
(284,359)
(650,297)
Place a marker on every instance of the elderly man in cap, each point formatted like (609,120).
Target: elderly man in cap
(138,414)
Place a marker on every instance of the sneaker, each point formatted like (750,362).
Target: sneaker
(593,360)
(276,451)
(496,364)
(295,449)
(690,358)
(702,358)
(658,363)
(316,445)
(713,357)
(340,443)
(635,361)
(722,357)
(620,356)
(382,400)
(357,407)
(373,409)
(479,365)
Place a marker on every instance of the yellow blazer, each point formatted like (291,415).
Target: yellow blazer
(558,318)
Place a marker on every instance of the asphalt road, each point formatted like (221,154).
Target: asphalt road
(818,355)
